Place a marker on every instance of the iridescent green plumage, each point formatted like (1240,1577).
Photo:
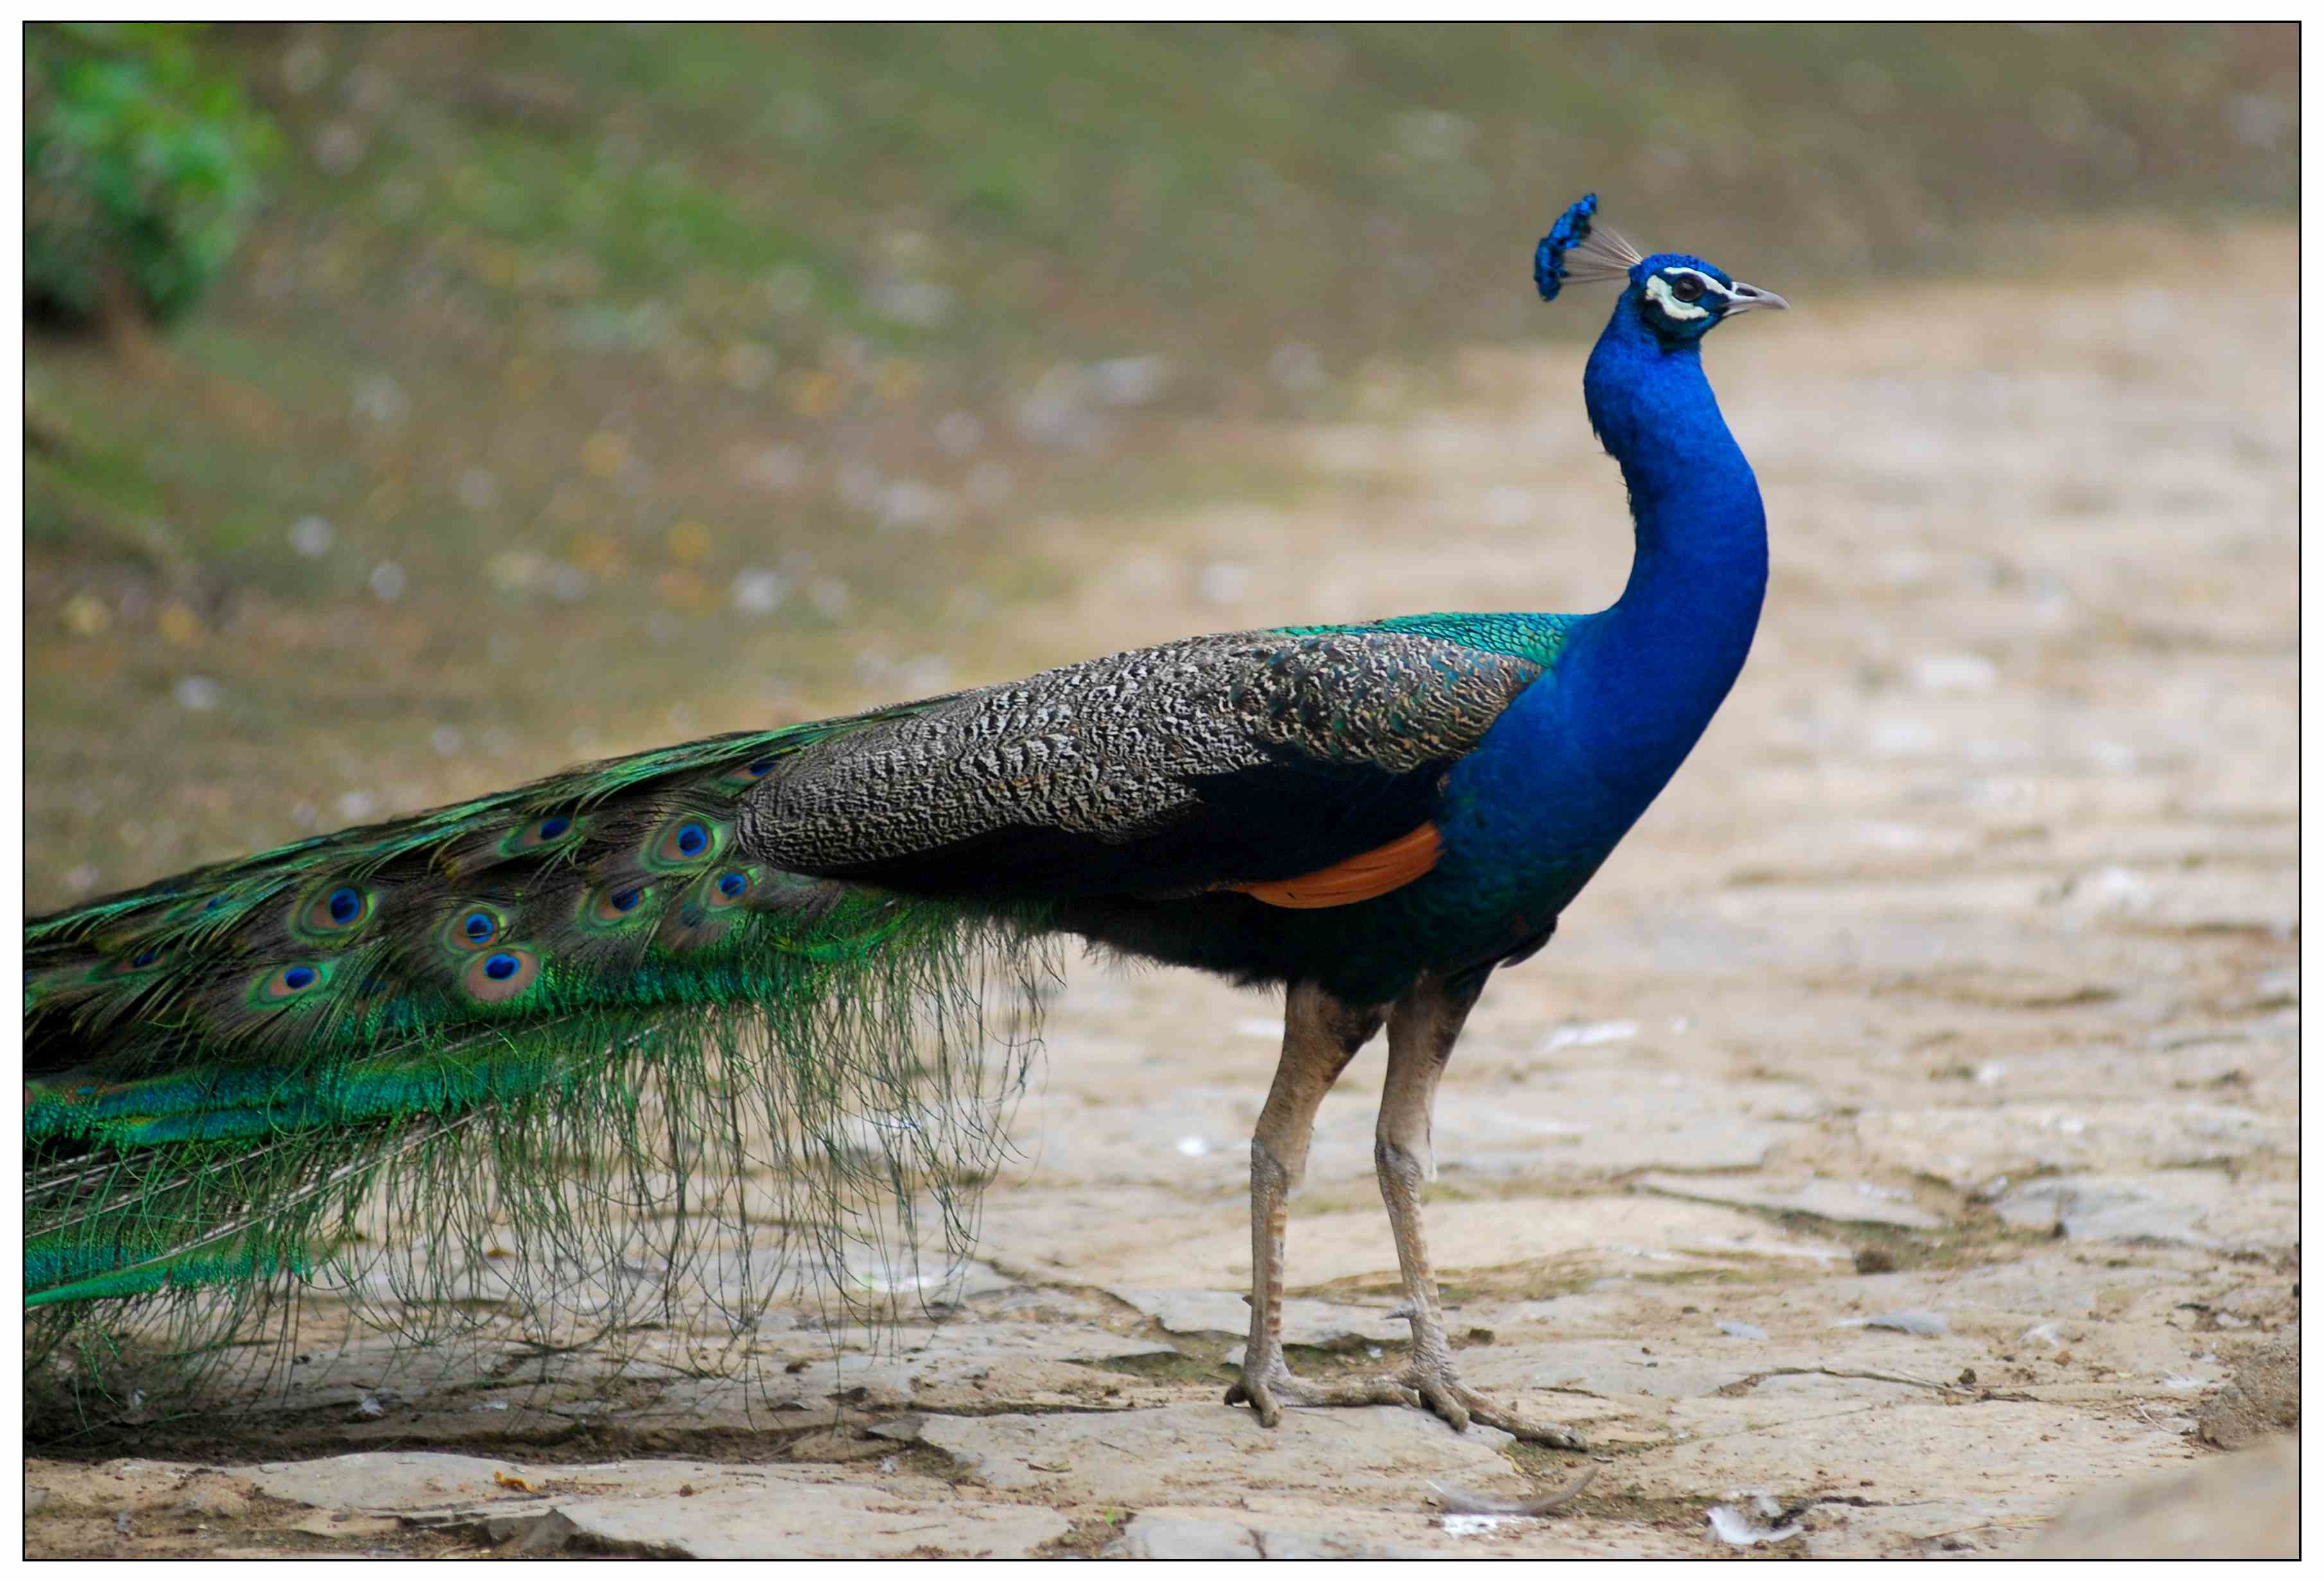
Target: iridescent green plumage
(368,1062)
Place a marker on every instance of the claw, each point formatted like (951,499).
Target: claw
(1445,1404)
(1509,1422)
(1259,1398)
(1460,1406)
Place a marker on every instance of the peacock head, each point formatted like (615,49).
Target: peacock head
(1675,297)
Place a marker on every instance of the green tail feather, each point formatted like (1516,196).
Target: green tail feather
(548,1060)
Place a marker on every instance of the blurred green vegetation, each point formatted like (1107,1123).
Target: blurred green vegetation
(578,387)
(141,166)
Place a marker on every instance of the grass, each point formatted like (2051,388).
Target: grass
(654,381)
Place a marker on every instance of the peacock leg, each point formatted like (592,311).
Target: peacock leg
(1421,1031)
(1321,1035)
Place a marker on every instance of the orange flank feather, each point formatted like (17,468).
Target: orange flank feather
(1367,874)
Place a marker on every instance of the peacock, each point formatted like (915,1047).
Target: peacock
(527,1024)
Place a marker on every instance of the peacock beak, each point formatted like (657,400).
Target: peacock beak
(1742,299)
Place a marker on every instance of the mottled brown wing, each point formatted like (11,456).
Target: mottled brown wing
(1231,760)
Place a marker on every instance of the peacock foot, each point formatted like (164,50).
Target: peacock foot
(1269,1388)
(1439,1389)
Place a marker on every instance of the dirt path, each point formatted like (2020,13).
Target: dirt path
(1898,1140)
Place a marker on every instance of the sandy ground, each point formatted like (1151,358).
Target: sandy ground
(1898,1141)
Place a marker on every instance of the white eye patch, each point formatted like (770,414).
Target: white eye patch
(1658,288)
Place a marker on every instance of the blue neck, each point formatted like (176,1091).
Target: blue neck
(1655,667)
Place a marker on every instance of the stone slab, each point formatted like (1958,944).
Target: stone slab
(2193,1207)
(704,1510)
(1973,1148)
(2242,1507)
(1156,1456)
(1841,1201)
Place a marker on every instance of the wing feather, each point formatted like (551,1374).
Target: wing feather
(1239,759)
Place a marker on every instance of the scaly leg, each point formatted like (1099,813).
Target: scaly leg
(1321,1035)
(1422,1028)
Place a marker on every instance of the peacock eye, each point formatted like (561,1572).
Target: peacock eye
(1686,288)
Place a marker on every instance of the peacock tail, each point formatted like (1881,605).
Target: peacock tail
(551,1054)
